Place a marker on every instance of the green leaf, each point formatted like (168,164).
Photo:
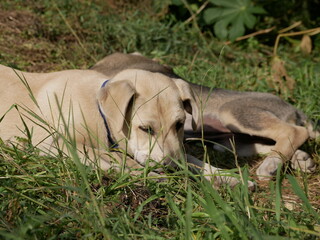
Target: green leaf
(257,10)
(243,3)
(177,2)
(232,17)
(249,20)
(210,15)
(220,29)
(229,12)
(194,7)
(237,29)
(224,3)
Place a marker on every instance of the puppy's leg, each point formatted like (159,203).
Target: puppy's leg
(302,160)
(217,175)
(287,137)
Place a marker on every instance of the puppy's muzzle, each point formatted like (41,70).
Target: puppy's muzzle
(143,157)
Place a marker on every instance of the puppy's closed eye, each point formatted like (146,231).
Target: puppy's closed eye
(179,125)
(147,129)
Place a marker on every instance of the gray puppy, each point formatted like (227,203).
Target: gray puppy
(259,122)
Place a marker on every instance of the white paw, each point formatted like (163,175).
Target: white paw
(229,180)
(158,177)
(268,168)
(302,160)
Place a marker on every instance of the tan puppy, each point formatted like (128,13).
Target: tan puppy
(135,106)
(259,122)
(133,110)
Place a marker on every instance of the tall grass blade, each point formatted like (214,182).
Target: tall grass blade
(176,210)
(278,194)
(217,216)
(299,192)
(188,213)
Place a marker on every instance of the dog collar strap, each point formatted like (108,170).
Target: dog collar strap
(109,136)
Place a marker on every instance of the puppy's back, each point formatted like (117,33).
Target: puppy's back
(118,62)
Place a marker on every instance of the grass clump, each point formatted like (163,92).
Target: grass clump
(52,197)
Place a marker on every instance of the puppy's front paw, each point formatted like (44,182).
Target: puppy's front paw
(302,160)
(230,181)
(159,177)
(268,168)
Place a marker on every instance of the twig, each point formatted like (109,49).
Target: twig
(264,31)
(197,13)
(296,24)
(309,32)
(193,18)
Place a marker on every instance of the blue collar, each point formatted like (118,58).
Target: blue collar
(113,144)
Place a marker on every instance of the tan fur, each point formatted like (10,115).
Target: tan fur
(67,104)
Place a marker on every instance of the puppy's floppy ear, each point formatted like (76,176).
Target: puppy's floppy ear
(189,101)
(114,98)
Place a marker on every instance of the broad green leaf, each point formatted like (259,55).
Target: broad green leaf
(243,3)
(224,3)
(232,17)
(256,10)
(214,14)
(249,20)
(229,12)
(239,18)
(210,15)
(237,29)
(220,29)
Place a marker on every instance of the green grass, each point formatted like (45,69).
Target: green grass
(55,198)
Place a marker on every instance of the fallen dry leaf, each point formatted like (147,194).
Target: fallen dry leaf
(306,45)
(281,81)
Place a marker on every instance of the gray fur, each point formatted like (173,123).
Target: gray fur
(244,106)
(259,122)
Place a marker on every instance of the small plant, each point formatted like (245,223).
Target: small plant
(232,17)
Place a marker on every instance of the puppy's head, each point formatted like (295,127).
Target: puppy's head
(148,109)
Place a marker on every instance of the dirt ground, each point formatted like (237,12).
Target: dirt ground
(27,44)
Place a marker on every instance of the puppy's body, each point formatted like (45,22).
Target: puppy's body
(56,105)
(278,129)
(140,111)
(43,87)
